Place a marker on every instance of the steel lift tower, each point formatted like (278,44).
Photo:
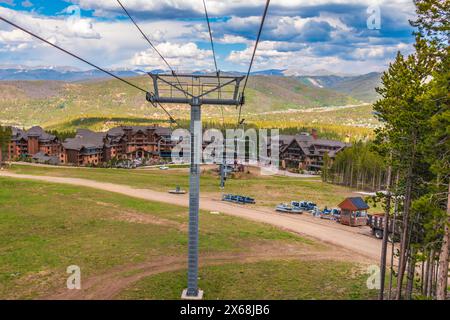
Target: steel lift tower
(195,90)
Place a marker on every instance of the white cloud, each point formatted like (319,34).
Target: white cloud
(232,39)
(379,52)
(220,7)
(59,27)
(362,60)
(178,55)
(117,43)
(14,36)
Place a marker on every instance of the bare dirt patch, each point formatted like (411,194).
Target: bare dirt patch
(134,217)
(108,285)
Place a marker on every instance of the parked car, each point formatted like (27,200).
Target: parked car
(326,214)
(330,214)
(376,223)
(238,199)
(285,208)
(249,200)
(336,212)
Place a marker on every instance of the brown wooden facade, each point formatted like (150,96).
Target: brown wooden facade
(307,152)
(93,148)
(26,143)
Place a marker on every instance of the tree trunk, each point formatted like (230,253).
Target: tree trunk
(373,180)
(410,275)
(351,175)
(364,179)
(441,285)
(379,179)
(435,277)
(394,222)
(404,240)
(385,234)
(406,209)
(426,276)
(422,276)
(430,275)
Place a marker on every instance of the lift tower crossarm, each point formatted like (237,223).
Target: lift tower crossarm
(189,97)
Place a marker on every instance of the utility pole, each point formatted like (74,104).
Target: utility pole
(200,89)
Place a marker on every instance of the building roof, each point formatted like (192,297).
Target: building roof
(310,145)
(41,157)
(85,139)
(96,140)
(19,134)
(354,204)
(118,131)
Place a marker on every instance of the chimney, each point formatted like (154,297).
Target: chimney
(314,134)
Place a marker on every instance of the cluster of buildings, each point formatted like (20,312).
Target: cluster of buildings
(302,151)
(90,148)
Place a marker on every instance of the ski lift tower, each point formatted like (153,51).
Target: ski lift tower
(195,90)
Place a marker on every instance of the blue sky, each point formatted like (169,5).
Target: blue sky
(300,36)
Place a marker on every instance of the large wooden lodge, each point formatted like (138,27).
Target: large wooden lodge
(88,148)
(306,151)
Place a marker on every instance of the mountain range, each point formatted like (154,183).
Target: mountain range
(359,87)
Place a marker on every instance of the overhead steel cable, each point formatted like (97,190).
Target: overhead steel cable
(72,54)
(211,36)
(253,55)
(214,56)
(151,45)
(85,61)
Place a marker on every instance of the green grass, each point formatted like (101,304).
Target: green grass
(276,280)
(46,227)
(280,189)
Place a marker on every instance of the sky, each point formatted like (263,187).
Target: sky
(300,36)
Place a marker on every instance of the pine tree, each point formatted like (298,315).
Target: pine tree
(433,23)
(5,138)
(326,167)
(406,125)
(439,99)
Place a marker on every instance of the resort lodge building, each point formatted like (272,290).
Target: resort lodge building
(133,142)
(27,143)
(88,148)
(306,151)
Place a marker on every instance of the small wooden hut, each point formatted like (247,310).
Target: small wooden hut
(354,212)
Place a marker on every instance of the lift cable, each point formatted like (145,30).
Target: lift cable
(253,55)
(214,56)
(87,62)
(211,36)
(150,43)
(222,165)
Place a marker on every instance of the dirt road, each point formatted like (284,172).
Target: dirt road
(357,240)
